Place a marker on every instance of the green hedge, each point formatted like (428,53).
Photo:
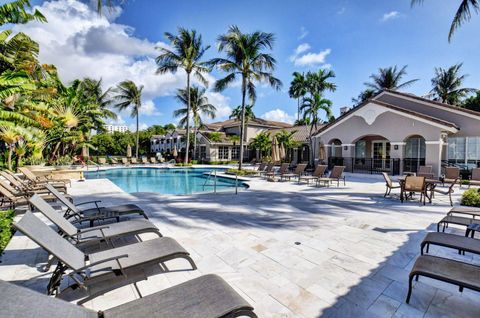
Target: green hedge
(6,229)
(471,197)
(242,172)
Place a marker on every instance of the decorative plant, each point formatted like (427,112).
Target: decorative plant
(215,136)
(63,161)
(471,197)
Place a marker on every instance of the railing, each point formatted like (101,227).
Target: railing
(366,165)
(214,185)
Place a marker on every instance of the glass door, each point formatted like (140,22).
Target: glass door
(381,155)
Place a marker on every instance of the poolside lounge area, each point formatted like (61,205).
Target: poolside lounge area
(290,250)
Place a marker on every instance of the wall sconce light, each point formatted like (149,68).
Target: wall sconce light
(395,147)
(345,148)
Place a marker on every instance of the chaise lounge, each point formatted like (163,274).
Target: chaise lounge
(100,272)
(207,296)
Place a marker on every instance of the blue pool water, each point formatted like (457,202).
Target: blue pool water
(163,180)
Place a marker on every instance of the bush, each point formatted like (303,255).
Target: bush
(194,162)
(471,197)
(181,164)
(63,161)
(242,172)
(6,229)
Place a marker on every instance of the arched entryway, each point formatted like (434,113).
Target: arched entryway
(414,155)
(372,152)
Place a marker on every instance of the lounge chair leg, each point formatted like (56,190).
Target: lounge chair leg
(421,248)
(410,285)
(386,192)
(460,289)
(243,313)
(428,248)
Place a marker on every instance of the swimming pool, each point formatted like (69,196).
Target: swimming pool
(162,180)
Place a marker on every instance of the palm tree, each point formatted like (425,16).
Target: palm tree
(245,58)
(286,139)
(186,54)
(311,107)
(363,96)
(10,136)
(462,15)
(199,106)
(318,82)
(237,113)
(473,102)
(127,95)
(389,78)
(261,142)
(298,89)
(447,85)
(14,12)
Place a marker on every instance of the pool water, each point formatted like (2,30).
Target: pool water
(162,180)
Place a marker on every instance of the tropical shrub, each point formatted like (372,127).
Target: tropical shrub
(242,172)
(6,229)
(471,197)
(63,161)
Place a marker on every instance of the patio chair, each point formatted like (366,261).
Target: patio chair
(457,220)
(261,167)
(12,200)
(31,177)
(335,175)
(449,271)
(133,161)
(448,191)
(144,160)
(389,184)
(101,272)
(208,296)
(153,160)
(23,186)
(125,161)
(102,161)
(425,171)
(452,174)
(97,213)
(299,170)
(475,177)
(412,185)
(114,161)
(268,169)
(318,173)
(461,243)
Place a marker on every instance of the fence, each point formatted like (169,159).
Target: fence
(366,165)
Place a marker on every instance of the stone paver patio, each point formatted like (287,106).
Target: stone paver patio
(291,250)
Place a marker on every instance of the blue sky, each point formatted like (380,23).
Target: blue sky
(353,38)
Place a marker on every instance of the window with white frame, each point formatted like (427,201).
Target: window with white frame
(415,148)
(464,148)
(223,153)
(235,153)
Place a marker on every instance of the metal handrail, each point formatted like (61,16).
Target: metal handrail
(214,180)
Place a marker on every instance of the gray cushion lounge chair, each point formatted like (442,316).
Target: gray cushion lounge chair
(457,220)
(267,170)
(23,186)
(335,175)
(281,171)
(208,296)
(85,235)
(461,243)
(100,272)
(42,179)
(20,199)
(468,210)
(454,272)
(98,213)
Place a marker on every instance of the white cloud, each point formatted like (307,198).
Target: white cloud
(389,16)
(148,108)
(81,43)
(303,33)
(311,58)
(222,103)
(279,115)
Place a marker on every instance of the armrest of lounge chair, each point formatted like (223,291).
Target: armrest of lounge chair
(89,202)
(105,260)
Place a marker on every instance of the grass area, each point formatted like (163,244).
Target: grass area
(6,229)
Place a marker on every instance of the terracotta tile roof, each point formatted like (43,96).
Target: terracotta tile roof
(253,122)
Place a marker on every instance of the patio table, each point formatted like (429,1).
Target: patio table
(430,184)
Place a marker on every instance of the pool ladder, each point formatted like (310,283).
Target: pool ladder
(214,185)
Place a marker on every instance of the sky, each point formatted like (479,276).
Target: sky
(351,37)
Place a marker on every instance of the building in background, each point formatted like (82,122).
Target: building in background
(116,128)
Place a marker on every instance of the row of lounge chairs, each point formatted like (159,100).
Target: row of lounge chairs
(461,274)
(111,267)
(318,175)
(127,161)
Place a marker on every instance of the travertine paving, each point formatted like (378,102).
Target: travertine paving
(291,250)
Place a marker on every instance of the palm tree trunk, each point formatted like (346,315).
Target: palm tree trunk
(187,147)
(242,125)
(311,144)
(298,109)
(10,152)
(194,156)
(137,137)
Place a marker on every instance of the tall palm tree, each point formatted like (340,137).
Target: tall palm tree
(237,113)
(311,108)
(127,95)
(318,82)
(389,78)
(246,58)
(462,15)
(186,54)
(199,107)
(15,12)
(298,89)
(447,85)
